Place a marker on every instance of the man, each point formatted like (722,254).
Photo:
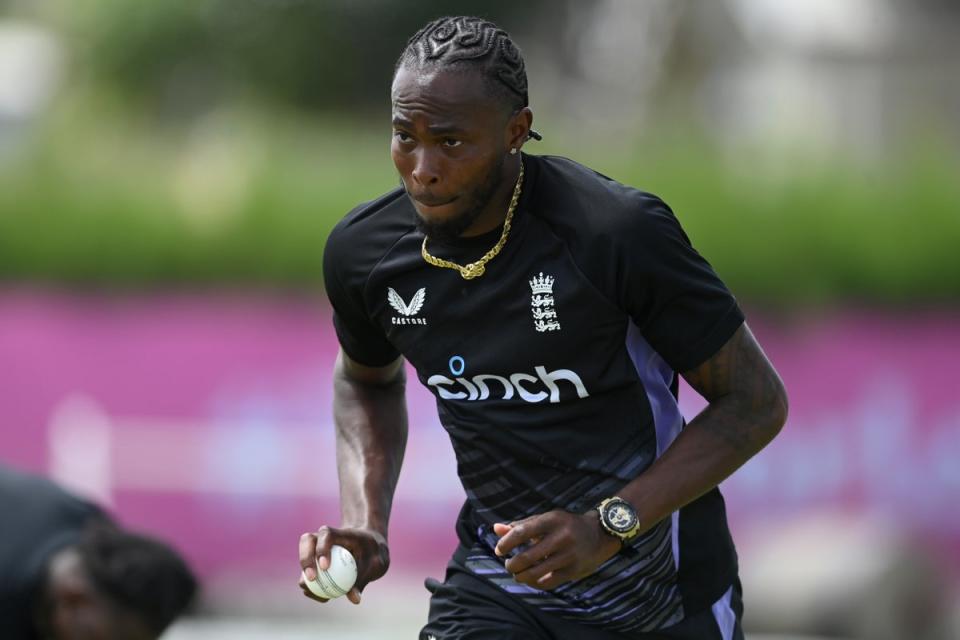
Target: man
(549,309)
(68,573)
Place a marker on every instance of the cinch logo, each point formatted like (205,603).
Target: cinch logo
(407,310)
(526,386)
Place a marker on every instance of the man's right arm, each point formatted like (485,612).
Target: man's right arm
(371,424)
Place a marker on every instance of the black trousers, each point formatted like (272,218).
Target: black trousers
(467,607)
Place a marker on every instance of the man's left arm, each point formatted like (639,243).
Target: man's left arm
(747,408)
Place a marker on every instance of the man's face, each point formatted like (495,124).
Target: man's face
(93,617)
(450,138)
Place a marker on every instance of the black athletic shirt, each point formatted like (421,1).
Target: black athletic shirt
(554,373)
(37,519)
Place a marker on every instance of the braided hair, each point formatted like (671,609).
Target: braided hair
(142,576)
(466,42)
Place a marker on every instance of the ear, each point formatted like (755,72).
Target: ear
(518,128)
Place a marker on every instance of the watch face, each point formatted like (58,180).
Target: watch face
(620,516)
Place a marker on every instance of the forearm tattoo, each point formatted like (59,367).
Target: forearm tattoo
(748,403)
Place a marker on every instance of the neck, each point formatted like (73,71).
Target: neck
(495,210)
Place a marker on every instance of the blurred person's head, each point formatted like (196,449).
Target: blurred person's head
(113,585)
(460,116)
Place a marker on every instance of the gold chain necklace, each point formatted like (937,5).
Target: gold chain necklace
(476,269)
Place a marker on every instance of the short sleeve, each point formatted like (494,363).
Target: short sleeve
(361,338)
(682,308)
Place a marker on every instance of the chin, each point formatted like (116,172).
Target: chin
(444,228)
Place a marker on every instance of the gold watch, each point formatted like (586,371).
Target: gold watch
(619,518)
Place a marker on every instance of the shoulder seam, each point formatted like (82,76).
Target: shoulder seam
(366,281)
(576,263)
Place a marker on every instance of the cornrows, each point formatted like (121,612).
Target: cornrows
(463,40)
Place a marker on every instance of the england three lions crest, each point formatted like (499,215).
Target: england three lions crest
(541,304)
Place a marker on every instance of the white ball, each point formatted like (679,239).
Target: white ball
(338,579)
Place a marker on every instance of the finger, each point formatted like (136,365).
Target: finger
(307,592)
(354,595)
(551,565)
(554,579)
(308,558)
(523,531)
(325,540)
(512,536)
(313,596)
(534,554)
(501,529)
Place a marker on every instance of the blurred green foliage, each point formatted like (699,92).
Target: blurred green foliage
(216,143)
(179,56)
(248,200)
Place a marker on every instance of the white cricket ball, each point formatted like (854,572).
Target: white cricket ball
(338,579)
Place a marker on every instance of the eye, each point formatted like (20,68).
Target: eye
(402,137)
(452,143)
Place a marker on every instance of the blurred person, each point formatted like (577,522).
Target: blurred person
(549,309)
(67,572)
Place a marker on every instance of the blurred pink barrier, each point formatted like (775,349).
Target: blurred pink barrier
(206,419)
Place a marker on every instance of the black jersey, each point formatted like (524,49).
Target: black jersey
(38,519)
(554,373)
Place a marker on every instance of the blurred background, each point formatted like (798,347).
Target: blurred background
(169,172)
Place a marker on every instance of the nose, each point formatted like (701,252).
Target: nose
(426,171)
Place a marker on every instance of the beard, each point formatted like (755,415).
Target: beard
(453,227)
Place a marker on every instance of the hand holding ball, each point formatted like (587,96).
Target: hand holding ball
(338,579)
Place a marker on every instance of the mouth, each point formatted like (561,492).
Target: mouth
(432,203)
